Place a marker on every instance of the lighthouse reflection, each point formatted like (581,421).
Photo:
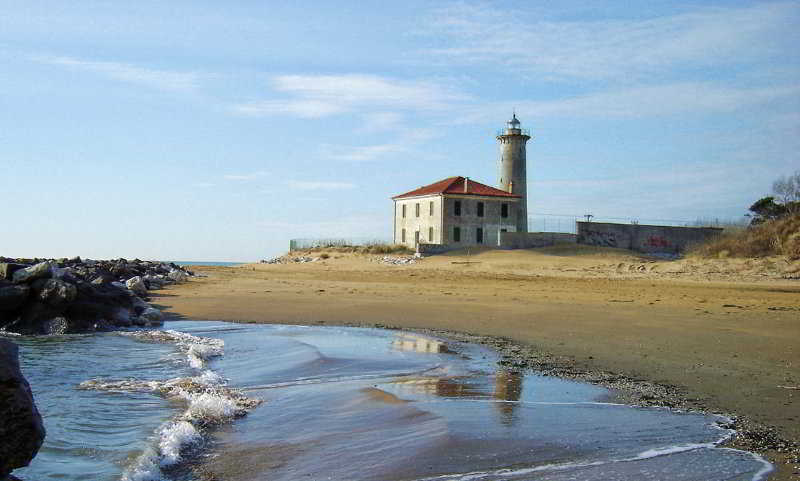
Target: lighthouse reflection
(508,389)
(504,386)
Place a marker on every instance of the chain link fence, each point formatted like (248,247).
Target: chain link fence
(565,223)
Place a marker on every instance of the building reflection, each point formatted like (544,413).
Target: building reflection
(417,343)
(507,388)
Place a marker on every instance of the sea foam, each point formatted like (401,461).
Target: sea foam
(208,402)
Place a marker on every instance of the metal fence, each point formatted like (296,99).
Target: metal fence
(541,222)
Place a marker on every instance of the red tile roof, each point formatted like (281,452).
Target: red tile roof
(455,185)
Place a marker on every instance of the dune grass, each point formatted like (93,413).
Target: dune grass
(778,237)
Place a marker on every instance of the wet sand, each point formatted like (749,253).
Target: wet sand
(722,336)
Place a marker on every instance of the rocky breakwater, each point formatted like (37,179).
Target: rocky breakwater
(21,428)
(48,296)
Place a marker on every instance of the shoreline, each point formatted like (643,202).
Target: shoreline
(515,357)
(690,351)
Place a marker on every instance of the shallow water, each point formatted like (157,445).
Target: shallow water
(341,404)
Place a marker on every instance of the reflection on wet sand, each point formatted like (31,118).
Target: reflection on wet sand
(507,384)
(507,390)
(507,387)
(417,343)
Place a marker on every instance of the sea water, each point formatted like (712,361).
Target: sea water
(212,400)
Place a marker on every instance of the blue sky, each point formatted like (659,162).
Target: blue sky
(206,130)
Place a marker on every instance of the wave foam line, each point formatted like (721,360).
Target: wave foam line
(197,349)
(208,402)
(648,454)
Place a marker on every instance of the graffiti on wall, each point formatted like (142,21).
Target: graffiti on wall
(657,241)
(599,238)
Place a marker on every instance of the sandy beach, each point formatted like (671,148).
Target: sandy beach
(721,335)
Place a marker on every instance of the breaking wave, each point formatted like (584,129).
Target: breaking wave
(208,402)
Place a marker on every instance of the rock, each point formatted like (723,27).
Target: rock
(153,282)
(177,275)
(11,297)
(32,316)
(21,428)
(56,326)
(30,274)
(139,306)
(54,292)
(7,269)
(122,317)
(152,316)
(137,285)
(100,302)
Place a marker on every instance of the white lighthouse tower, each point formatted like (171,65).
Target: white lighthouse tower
(512,173)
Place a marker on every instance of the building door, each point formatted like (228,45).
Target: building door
(416,238)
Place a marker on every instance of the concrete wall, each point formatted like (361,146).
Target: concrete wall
(643,238)
(422,223)
(528,240)
(468,222)
(432,249)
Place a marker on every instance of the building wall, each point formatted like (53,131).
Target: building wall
(492,222)
(643,238)
(422,223)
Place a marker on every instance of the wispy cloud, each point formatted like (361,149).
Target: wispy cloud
(405,141)
(319,185)
(661,100)
(246,177)
(479,33)
(363,153)
(649,101)
(159,79)
(314,96)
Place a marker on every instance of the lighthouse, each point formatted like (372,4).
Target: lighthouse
(512,173)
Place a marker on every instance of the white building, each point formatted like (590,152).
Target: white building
(455,211)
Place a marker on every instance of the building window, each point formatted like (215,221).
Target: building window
(456,234)
(416,238)
(430,208)
(404,210)
(480,209)
(416,208)
(457,208)
(504,210)
(403,235)
(479,235)
(430,234)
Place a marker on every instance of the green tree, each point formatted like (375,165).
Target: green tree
(766,209)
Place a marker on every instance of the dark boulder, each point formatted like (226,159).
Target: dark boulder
(33,315)
(12,296)
(21,428)
(54,292)
(96,302)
